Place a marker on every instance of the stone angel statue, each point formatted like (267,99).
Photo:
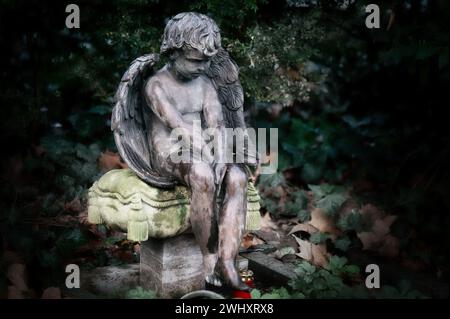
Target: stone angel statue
(199,84)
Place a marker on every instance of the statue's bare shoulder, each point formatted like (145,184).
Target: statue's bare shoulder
(157,83)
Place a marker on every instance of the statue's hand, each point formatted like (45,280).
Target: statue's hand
(219,172)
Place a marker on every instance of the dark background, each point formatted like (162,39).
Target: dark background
(356,108)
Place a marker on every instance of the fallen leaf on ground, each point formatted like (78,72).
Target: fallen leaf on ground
(324,223)
(320,255)
(249,240)
(303,227)
(267,223)
(379,238)
(316,254)
(305,248)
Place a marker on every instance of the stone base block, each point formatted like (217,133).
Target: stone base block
(172,267)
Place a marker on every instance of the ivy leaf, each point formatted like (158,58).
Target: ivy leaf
(353,221)
(303,215)
(336,264)
(140,293)
(351,269)
(318,238)
(331,204)
(342,243)
(256,294)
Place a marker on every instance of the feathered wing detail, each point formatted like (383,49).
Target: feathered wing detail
(224,74)
(129,125)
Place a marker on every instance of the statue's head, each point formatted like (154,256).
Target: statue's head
(190,40)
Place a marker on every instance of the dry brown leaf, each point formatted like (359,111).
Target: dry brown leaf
(320,255)
(51,293)
(305,248)
(303,227)
(110,160)
(249,240)
(16,274)
(369,240)
(316,254)
(380,228)
(267,223)
(376,237)
(323,223)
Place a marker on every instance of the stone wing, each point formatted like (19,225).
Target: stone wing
(224,73)
(129,125)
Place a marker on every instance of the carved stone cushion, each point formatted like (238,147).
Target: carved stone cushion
(124,202)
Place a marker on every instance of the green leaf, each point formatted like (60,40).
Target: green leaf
(351,269)
(319,238)
(331,204)
(342,243)
(140,293)
(353,221)
(256,294)
(336,264)
(303,215)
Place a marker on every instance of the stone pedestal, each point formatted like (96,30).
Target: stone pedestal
(172,267)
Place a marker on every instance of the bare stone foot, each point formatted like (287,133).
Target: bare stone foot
(231,276)
(214,280)
(209,263)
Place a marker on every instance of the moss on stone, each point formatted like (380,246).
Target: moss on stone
(122,201)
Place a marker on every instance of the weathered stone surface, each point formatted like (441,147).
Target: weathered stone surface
(172,267)
(122,201)
(269,268)
(111,280)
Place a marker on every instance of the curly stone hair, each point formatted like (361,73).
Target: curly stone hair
(191,29)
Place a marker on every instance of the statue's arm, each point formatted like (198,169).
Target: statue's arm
(160,104)
(212,109)
(212,112)
(157,100)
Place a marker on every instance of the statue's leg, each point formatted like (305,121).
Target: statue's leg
(203,219)
(231,225)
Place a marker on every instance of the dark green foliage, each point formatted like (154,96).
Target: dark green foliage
(353,107)
(353,221)
(140,293)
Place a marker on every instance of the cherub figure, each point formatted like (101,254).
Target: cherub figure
(199,83)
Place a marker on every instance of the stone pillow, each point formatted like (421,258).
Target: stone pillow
(122,201)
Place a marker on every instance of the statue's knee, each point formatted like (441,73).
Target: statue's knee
(237,179)
(202,178)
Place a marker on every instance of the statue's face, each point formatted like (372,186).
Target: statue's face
(190,63)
